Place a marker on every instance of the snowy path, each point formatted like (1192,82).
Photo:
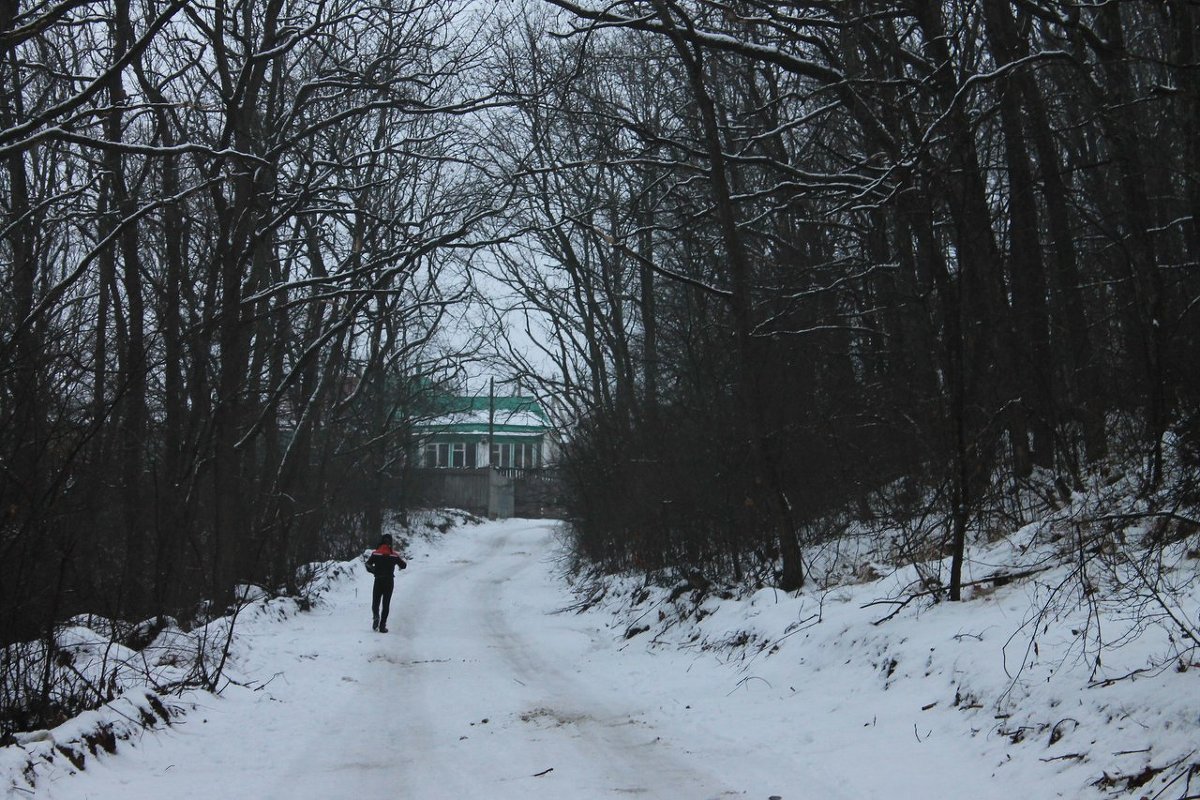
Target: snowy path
(479,642)
(480,686)
(486,688)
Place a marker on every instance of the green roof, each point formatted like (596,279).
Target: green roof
(515,415)
(508,405)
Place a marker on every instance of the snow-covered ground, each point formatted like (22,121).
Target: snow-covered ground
(496,681)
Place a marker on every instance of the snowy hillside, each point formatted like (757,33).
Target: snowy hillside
(1041,694)
(504,677)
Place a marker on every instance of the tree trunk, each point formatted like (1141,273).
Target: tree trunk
(1028,277)
(749,381)
(1125,148)
(647,303)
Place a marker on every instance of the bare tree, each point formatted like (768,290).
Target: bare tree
(230,238)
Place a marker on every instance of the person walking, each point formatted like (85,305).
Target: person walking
(382,563)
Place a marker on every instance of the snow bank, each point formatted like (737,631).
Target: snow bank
(1072,684)
(141,688)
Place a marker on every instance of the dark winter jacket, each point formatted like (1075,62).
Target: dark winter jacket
(382,562)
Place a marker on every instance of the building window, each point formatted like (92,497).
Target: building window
(515,455)
(435,455)
(444,455)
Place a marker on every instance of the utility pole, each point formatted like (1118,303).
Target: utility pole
(491,418)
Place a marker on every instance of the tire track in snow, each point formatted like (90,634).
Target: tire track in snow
(585,703)
(479,645)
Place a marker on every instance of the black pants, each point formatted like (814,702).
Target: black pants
(381,595)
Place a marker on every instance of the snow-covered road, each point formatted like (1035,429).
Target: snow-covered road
(488,686)
(500,697)
(483,688)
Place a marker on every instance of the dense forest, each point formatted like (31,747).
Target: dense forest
(816,262)
(776,265)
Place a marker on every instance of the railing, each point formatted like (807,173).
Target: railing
(518,472)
